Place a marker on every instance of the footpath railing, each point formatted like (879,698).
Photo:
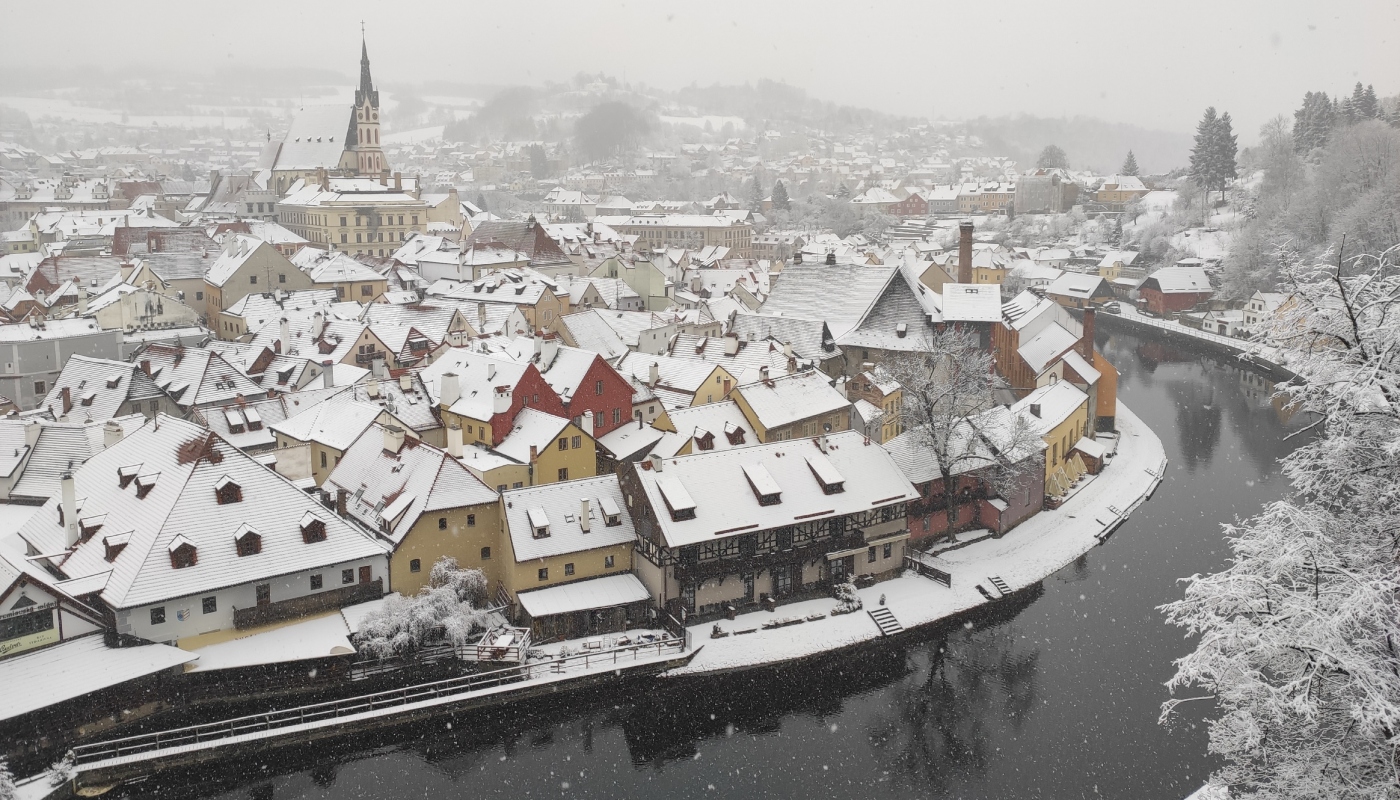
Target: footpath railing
(916,562)
(351,707)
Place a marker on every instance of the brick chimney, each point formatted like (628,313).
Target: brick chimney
(965,252)
(1086,341)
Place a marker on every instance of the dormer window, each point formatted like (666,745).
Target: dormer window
(226,491)
(145,483)
(831,481)
(113,381)
(612,515)
(90,525)
(313,528)
(765,488)
(183,553)
(705,441)
(733,433)
(125,475)
(247,541)
(113,545)
(539,523)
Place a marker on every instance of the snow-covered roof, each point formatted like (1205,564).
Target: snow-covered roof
(719,488)
(321,637)
(77,667)
(560,504)
(609,591)
(1043,348)
(790,398)
(531,427)
(1178,280)
(335,422)
(969,302)
(1057,402)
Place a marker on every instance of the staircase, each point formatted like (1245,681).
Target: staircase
(1000,585)
(885,621)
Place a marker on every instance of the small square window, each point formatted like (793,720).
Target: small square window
(471,520)
(199,295)
(442,523)
(609,562)
(252,279)
(569,569)
(415,566)
(889,550)
(544,576)
(347,576)
(158,615)
(564,444)
(485,554)
(577,442)
(210,604)
(316,582)
(870,555)
(564,473)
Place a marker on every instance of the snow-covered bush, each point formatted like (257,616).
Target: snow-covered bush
(62,770)
(847,600)
(7,781)
(449,609)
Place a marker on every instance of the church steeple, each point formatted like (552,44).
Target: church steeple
(368,155)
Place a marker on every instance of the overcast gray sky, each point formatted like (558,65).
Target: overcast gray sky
(1156,64)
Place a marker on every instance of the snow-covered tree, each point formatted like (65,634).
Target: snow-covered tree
(1213,155)
(449,609)
(949,410)
(780,197)
(61,771)
(1052,156)
(1130,165)
(1298,638)
(1312,123)
(756,196)
(7,781)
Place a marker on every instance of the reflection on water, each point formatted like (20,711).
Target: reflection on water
(1054,697)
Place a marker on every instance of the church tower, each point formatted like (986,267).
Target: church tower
(369,156)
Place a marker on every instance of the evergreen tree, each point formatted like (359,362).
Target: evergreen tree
(842,192)
(1052,156)
(481,201)
(1130,166)
(1202,169)
(1312,124)
(1227,147)
(1368,107)
(755,196)
(780,197)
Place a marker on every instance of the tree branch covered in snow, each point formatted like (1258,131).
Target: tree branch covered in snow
(948,407)
(1299,641)
(449,609)
(7,781)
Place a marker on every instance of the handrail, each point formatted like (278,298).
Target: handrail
(345,707)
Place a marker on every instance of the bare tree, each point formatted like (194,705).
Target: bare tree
(949,409)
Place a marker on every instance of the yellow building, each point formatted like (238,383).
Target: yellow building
(426,503)
(312,443)
(554,448)
(794,406)
(568,533)
(882,393)
(362,216)
(1059,412)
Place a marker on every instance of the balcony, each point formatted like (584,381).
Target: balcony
(306,605)
(695,570)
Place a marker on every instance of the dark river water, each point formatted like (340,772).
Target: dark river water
(1055,698)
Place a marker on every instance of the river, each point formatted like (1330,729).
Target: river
(1055,698)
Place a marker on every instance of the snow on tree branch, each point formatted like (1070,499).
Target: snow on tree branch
(449,609)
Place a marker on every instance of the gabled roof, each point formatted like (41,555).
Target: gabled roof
(531,427)
(478,375)
(1057,402)
(97,388)
(790,398)
(720,490)
(181,463)
(1046,346)
(967,302)
(1178,280)
(419,477)
(61,446)
(335,422)
(1079,285)
(839,295)
(197,377)
(561,505)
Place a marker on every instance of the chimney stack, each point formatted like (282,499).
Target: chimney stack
(449,389)
(70,509)
(340,497)
(32,429)
(67,395)
(583,520)
(965,252)
(285,336)
(328,374)
(1086,341)
(406,382)
(731,344)
(455,442)
(398,181)
(656,462)
(654,375)
(318,325)
(111,433)
(501,401)
(393,438)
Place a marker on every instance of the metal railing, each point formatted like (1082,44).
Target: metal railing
(351,707)
(915,562)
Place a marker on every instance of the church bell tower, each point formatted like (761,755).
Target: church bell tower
(369,156)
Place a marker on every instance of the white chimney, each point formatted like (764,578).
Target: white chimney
(490,371)
(70,509)
(583,520)
(82,299)
(501,401)
(455,444)
(372,388)
(393,438)
(731,344)
(449,389)
(656,462)
(787,349)
(111,433)
(549,348)
(406,382)
(284,336)
(318,325)
(32,429)
(585,423)
(654,375)
(328,374)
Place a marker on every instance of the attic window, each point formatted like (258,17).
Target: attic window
(832,481)
(91,525)
(255,422)
(705,440)
(145,483)
(539,522)
(88,398)
(113,545)
(235,420)
(733,433)
(247,541)
(183,553)
(764,487)
(227,491)
(126,474)
(678,500)
(612,515)
(313,528)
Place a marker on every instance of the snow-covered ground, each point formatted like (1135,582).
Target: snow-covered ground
(1270,354)
(1028,554)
